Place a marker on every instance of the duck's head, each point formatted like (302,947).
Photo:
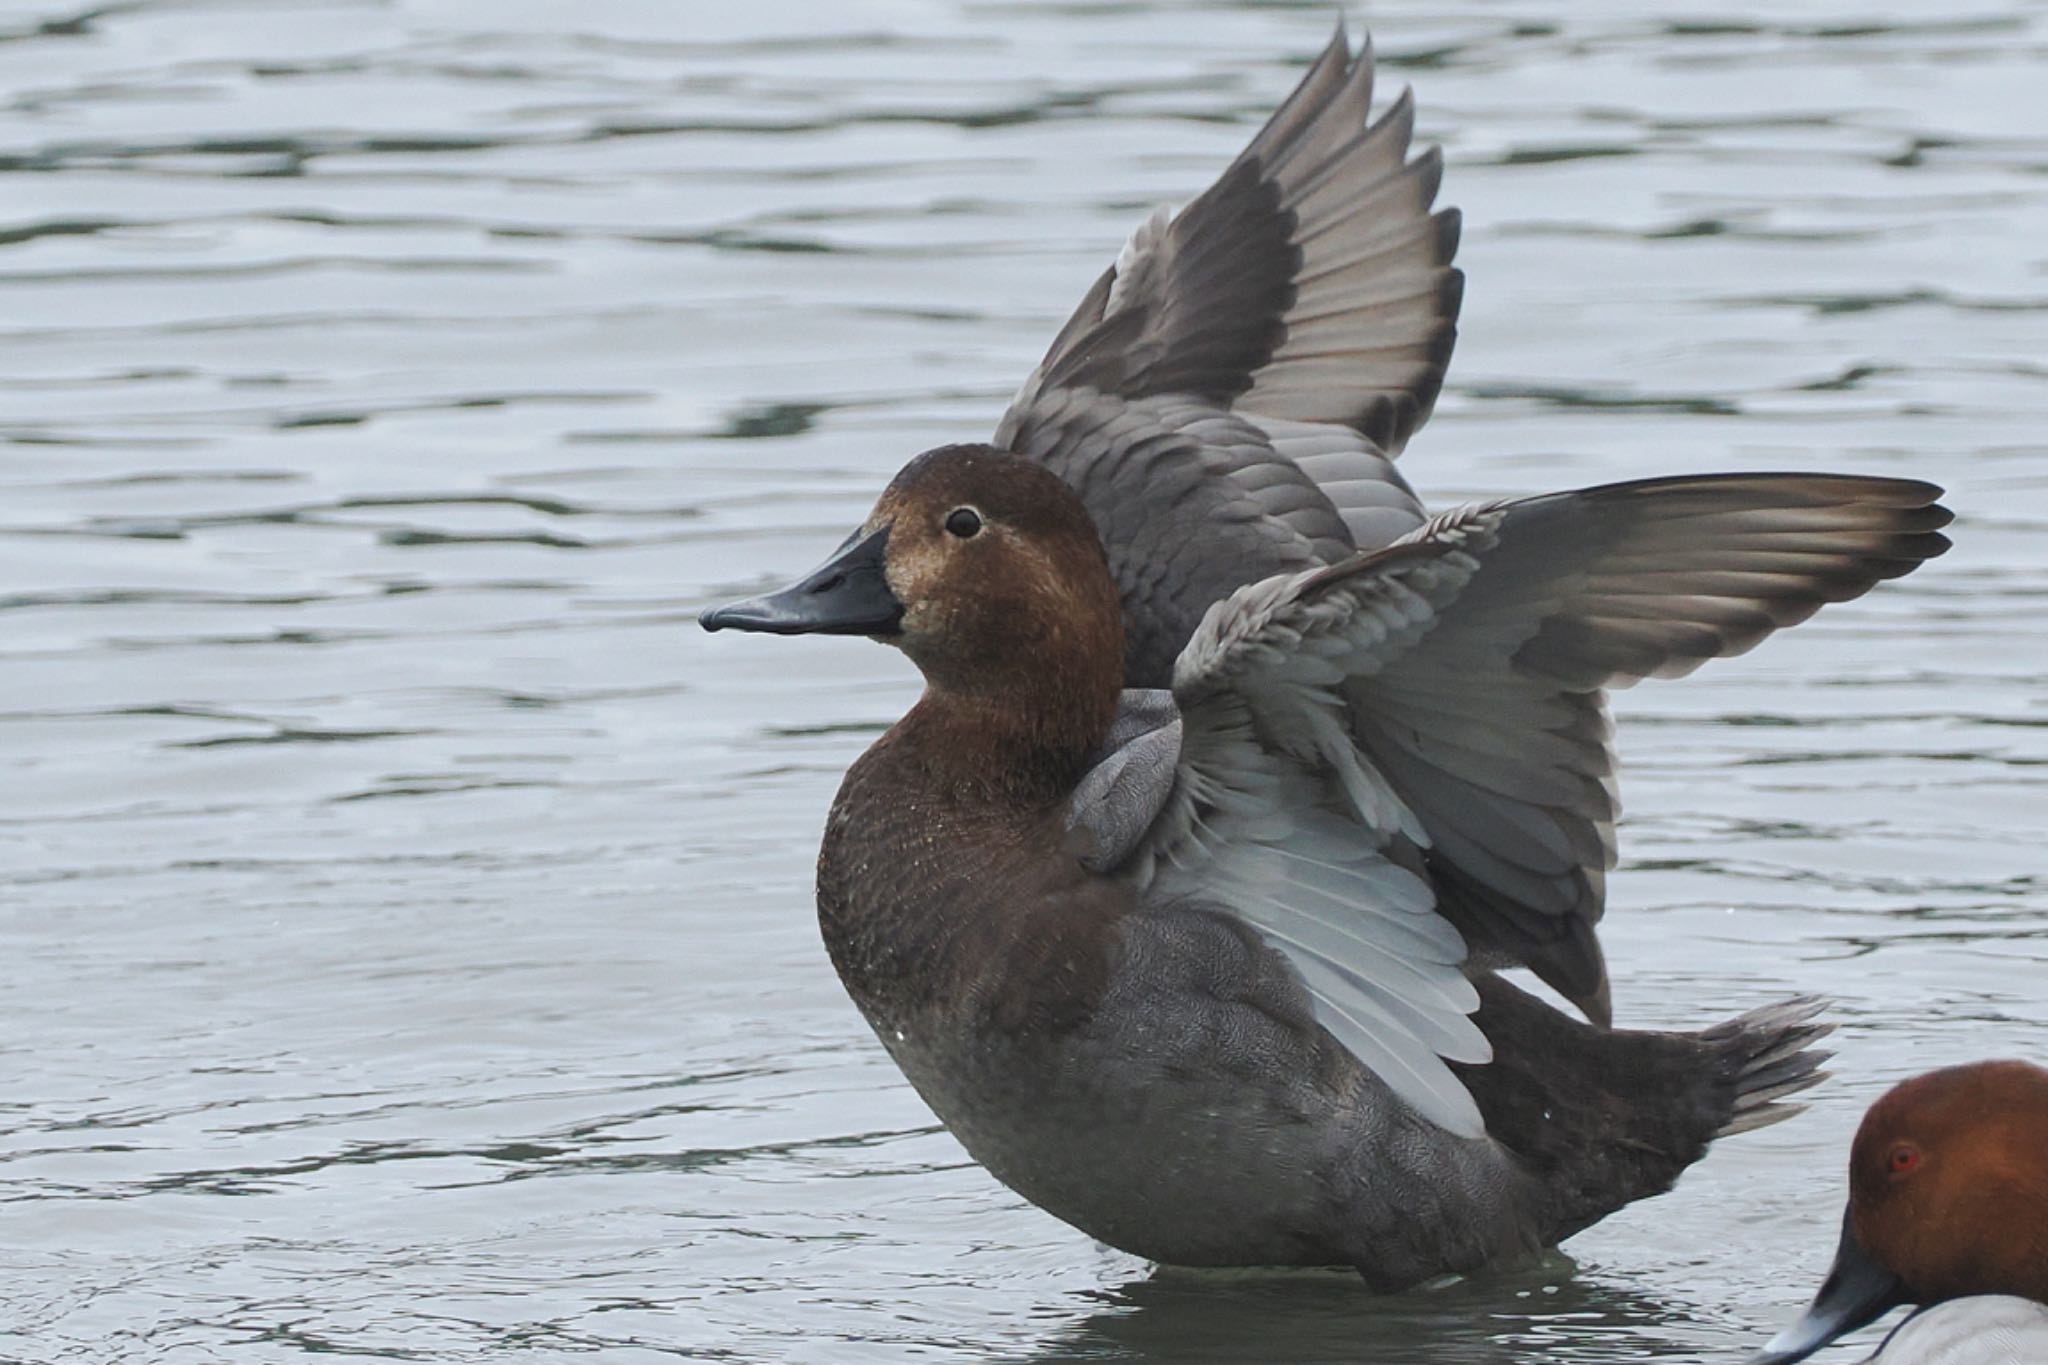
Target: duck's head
(1948,1197)
(986,570)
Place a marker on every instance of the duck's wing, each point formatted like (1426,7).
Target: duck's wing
(1246,371)
(1494,729)
(1242,791)
(1381,762)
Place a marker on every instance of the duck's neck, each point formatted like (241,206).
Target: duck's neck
(1016,715)
(1022,745)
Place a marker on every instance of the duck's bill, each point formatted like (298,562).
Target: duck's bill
(1857,1290)
(846,595)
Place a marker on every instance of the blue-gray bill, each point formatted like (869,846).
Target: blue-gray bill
(1857,1290)
(846,595)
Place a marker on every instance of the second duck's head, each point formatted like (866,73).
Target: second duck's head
(1948,1198)
(1948,1181)
(986,570)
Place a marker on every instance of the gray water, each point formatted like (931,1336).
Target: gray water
(405,935)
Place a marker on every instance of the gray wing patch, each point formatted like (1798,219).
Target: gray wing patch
(1118,801)
(1375,503)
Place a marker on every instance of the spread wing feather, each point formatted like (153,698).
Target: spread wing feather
(1494,728)
(1249,366)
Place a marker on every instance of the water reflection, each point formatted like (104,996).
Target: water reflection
(1506,1319)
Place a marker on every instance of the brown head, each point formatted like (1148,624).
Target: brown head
(1948,1182)
(1948,1197)
(987,571)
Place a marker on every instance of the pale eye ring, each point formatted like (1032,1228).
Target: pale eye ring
(963,522)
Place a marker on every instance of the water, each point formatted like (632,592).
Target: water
(405,938)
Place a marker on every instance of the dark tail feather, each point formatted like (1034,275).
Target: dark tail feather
(1602,1117)
(1769,1054)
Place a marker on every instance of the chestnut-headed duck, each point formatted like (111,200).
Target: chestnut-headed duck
(1948,1207)
(1182,893)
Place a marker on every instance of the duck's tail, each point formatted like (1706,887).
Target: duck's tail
(1601,1117)
(1769,1054)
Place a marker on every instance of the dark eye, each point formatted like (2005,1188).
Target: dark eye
(963,522)
(1904,1157)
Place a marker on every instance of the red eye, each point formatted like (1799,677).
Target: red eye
(1904,1157)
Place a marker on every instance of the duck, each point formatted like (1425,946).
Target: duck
(1187,892)
(1948,1210)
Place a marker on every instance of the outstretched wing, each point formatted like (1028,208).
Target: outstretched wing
(1249,367)
(1381,762)
(1494,729)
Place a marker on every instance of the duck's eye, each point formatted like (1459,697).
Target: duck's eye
(1904,1157)
(963,522)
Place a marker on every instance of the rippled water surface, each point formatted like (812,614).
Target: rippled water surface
(405,934)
